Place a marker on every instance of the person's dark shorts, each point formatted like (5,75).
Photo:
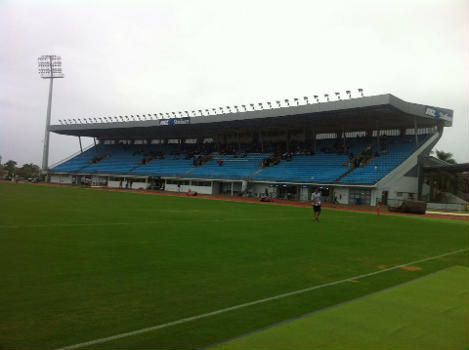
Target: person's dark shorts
(317,208)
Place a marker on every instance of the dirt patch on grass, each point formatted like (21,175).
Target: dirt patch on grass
(382,267)
(410,268)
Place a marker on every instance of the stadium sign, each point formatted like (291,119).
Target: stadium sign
(185,120)
(175,121)
(438,113)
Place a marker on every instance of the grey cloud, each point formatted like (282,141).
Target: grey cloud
(131,57)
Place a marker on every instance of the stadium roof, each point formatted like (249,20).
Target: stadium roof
(381,111)
(431,163)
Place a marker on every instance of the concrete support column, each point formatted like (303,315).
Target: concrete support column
(415,130)
(308,137)
(244,186)
(79,140)
(420,178)
(304,194)
(260,140)
(378,140)
(274,192)
(373,196)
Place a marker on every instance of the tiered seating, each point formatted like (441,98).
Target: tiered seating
(321,167)
(399,149)
(233,167)
(80,161)
(165,167)
(325,166)
(120,159)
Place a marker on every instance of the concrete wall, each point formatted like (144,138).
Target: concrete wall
(115,184)
(185,188)
(447,207)
(374,197)
(258,189)
(97,180)
(202,189)
(139,185)
(342,194)
(244,186)
(61,179)
(135,185)
(452,199)
(174,188)
(396,181)
(404,188)
(304,194)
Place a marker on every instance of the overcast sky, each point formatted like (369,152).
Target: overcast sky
(135,57)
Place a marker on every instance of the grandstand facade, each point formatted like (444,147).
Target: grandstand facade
(361,149)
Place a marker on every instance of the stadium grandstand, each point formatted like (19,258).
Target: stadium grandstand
(360,150)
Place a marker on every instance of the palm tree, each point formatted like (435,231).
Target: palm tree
(440,180)
(445,156)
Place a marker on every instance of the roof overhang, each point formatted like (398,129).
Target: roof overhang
(450,168)
(381,111)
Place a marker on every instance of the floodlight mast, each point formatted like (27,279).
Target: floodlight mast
(50,67)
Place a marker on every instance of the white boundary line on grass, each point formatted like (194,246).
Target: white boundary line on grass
(255,302)
(135,223)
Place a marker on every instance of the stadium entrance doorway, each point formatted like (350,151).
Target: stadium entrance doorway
(384,197)
(228,188)
(360,196)
(290,192)
(76,180)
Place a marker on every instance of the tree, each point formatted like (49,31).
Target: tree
(10,167)
(463,183)
(29,170)
(444,181)
(445,156)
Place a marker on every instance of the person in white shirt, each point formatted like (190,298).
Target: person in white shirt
(316,202)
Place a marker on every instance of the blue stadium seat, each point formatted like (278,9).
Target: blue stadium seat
(119,159)
(81,160)
(233,167)
(165,167)
(323,167)
(399,148)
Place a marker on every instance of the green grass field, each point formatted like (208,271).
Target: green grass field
(81,264)
(428,313)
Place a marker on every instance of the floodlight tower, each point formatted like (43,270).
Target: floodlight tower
(50,67)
